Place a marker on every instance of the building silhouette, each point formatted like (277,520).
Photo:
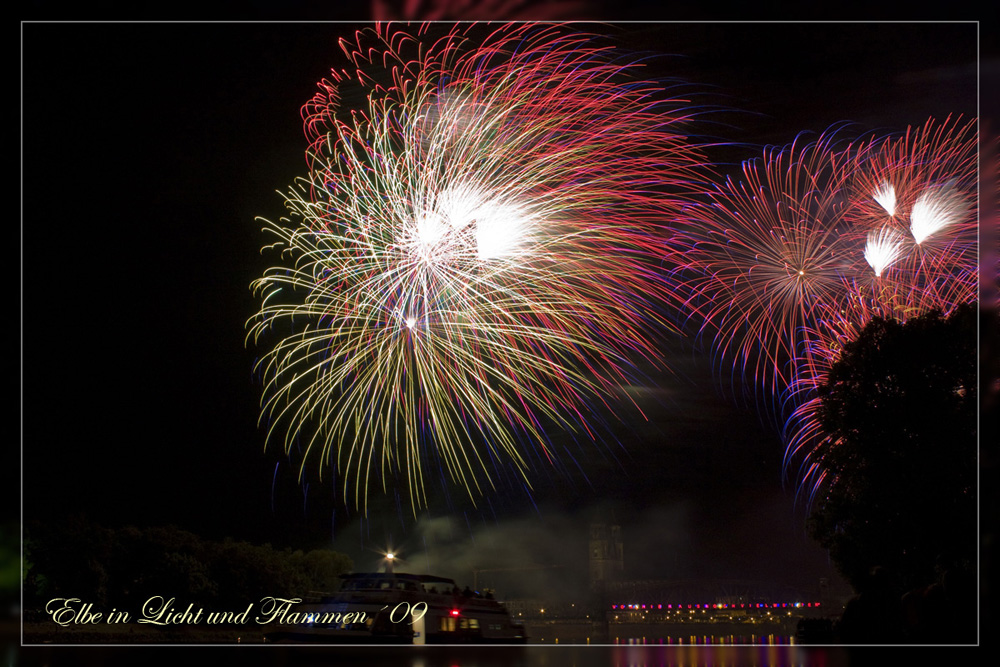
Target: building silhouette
(607,562)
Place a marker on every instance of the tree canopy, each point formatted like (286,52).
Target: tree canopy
(125,566)
(899,414)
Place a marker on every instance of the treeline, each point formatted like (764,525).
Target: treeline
(124,567)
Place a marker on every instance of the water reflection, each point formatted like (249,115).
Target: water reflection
(711,640)
(453,656)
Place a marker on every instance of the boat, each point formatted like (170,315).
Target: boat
(398,608)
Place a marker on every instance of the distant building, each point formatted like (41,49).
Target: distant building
(607,562)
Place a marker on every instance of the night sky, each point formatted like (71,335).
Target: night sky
(148,150)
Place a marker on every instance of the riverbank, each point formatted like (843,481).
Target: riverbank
(132,634)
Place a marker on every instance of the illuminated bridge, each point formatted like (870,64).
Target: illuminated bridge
(730,592)
(653,601)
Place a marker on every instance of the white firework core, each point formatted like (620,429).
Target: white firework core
(937,207)
(885,195)
(882,249)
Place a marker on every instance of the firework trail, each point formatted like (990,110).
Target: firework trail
(803,433)
(473,256)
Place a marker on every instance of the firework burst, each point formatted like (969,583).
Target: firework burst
(789,263)
(473,256)
(914,202)
(882,249)
(919,190)
(767,258)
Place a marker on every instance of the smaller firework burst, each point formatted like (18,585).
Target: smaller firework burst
(768,259)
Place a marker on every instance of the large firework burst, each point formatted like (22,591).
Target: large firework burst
(473,255)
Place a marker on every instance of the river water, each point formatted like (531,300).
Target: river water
(584,633)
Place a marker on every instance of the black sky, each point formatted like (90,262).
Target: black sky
(148,149)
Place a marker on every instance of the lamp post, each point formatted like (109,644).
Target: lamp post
(389,557)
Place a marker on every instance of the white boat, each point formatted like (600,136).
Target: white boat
(399,608)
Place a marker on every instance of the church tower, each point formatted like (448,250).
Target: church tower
(606,560)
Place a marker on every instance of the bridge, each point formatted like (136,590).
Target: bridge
(704,592)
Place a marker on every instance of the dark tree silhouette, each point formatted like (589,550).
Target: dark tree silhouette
(75,557)
(899,411)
